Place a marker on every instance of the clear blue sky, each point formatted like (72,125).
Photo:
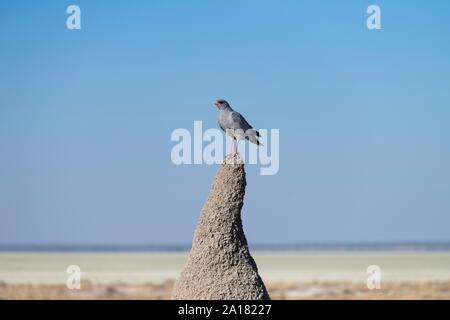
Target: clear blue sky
(86,118)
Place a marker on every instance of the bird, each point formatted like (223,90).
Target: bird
(235,125)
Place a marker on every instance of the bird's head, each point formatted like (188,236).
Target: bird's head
(222,104)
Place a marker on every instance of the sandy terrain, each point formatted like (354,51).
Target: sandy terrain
(287,275)
(280,290)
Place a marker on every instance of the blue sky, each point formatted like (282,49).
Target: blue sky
(86,118)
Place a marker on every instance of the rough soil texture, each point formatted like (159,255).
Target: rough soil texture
(333,290)
(219,265)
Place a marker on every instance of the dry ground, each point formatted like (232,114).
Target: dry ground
(277,290)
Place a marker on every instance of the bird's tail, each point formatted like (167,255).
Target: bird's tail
(252,137)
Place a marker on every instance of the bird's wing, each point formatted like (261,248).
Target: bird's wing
(239,122)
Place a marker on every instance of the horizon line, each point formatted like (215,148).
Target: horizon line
(182,247)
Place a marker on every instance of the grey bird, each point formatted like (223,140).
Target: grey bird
(235,125)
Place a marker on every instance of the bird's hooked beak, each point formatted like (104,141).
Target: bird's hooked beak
(217,104)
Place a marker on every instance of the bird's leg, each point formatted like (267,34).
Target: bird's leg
(237,145)
(232,145)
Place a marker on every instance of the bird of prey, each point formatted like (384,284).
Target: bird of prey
(235,125)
